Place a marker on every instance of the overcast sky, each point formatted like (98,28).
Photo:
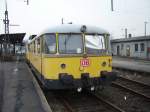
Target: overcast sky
(40,14)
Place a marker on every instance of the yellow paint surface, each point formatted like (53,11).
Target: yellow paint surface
(52,66)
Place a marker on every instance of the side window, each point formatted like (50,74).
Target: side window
(49,43)
(142,46)
(122,45)
(38,46)
(34,48)
(136,47)
(26,49)
(29,47)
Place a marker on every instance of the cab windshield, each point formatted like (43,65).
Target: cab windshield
(70,44)
(95,44)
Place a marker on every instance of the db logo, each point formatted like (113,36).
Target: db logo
(84,62)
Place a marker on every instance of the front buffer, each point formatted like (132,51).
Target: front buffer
(67,81)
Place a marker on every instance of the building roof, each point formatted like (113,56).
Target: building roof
(12,38)
(131,39)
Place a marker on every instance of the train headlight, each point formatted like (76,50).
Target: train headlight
(63,66)
(109,61)
(104,64)
(83,28)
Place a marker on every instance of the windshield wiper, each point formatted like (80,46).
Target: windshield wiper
(66,41)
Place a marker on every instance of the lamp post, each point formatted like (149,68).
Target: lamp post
(62,21)
(27,1)
(1,44)
(112,5)
(145,23)
(125,34)
(147,51)
(6,23)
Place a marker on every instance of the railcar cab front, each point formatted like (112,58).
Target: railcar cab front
(72,57)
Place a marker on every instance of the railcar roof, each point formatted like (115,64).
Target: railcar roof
(71,28)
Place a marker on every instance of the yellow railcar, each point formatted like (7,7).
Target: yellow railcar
(72,57)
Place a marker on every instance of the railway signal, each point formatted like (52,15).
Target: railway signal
(6,23)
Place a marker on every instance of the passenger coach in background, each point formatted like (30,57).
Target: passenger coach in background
(71,57)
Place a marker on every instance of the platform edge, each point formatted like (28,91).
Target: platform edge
(43,100)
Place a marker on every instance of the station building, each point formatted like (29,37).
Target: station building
(15,41)
(10,45)
(136,47)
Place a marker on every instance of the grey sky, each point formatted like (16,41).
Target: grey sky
(39,14)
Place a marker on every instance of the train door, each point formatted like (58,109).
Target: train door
(118,50)
(128,50)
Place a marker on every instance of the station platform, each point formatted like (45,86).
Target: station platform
(21,93)
(139,65)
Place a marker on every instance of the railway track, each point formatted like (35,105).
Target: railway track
(85,102)
(94,102)
(135,75)
(133,86)
(78,102)
(69,101)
